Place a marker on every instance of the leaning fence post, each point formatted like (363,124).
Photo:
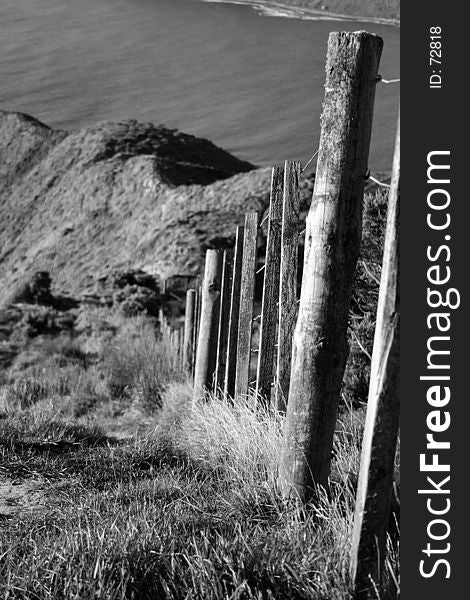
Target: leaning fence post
(374,490)
(206,354)
(247,291)
(332,244)
(189,324)
(224,320)
(232,340)
(288,281)
(269,311)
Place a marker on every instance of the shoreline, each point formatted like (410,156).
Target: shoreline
(292,9)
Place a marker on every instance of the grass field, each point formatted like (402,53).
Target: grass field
(112,487)
(189,510)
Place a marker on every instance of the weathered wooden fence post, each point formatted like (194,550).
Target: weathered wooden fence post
(269,311)
(379,444)
(164,327)
(173,350)
(247,290)
(189,325)
(232,339)
(161,319)
(197,319)
(332,244)
(179,346)
(288,281)
(176,337)
(224,320)
(206,354)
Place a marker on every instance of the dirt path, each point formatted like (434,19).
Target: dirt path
(20,496)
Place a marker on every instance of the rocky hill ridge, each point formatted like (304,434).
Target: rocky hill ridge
(115,196)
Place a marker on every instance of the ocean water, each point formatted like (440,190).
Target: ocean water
(248,79)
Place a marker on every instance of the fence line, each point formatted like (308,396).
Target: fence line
(311,359)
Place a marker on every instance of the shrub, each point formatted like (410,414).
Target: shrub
(139,366)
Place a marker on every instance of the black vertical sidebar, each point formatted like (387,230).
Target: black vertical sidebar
(435,265)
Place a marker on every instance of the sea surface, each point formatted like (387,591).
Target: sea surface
(249,79)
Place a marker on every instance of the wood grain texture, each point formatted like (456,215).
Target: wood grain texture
(224,317)
(247,290)
(288,281)
(189,325)
(178,346)
(269,311)
(232,340)
(197,302)
(333,235)
(379,444)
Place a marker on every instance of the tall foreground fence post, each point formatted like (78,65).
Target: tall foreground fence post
(332,244)
(247,292)
(374,489)
(189,325)
(206,354)
(269,311)
(232,340)
(288,281)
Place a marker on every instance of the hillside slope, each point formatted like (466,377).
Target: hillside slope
(115,196)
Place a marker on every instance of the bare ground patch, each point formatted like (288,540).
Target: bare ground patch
(20,496)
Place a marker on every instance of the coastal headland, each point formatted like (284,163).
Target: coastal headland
(378,11)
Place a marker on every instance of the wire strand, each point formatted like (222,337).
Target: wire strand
(382,80)
(387,185)
(359,344)
(306,166)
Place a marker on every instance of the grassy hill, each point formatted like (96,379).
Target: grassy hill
(116,196)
